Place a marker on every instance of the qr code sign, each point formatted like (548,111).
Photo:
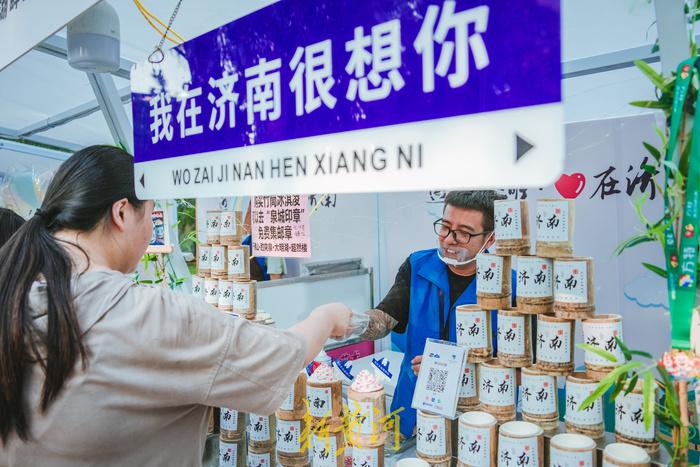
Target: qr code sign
(437,380)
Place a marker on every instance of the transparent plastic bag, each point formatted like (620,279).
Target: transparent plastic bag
(358,325)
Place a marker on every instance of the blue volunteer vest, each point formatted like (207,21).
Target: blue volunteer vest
(430,291)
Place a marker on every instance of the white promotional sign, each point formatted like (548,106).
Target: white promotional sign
(394,108)
(439,380)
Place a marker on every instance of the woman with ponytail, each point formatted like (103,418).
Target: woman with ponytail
(97,370)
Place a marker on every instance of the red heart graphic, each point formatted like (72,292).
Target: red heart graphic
(570,186)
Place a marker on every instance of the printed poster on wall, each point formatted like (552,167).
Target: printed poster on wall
(280,226)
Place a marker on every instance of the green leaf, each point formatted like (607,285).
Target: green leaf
(634,240)
(619,385)
(667,417)
(649,392)
(632,384)
(669,392)
(625,350)
(650,104)
(669,85)
(601,353)
(654,76)
(607,382)
(603,386)
(650,169)
(656,270)
(662,136)
(641,353)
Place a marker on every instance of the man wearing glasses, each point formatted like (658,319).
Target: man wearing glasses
(429,286)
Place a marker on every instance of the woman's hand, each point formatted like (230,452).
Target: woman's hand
(324,322)
(338,316)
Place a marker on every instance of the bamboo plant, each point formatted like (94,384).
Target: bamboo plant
(625,377)
(672,408)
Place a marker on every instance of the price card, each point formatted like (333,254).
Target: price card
(439,380)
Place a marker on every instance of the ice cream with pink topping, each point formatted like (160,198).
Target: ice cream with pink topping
(323,374)
(366,382)
(367,409)
(324,394)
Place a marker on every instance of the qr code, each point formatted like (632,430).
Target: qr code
(437,380)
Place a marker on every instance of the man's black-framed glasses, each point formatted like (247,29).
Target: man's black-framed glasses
(443,230)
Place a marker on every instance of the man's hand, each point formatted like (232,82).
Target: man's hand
(379,326)
(415,364)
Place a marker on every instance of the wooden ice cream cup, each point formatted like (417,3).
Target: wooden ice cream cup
(245,298)
(203,260)
(433,437)
(522,442)
(211,291)
(261,456)
(225,295)
(572,449)
(367,409)
(625,455)
(262,431)
(540,399)
(629,420)
(373,456)
(589,421)
(231,229)
(232,453)
(497,390)
(477,443)
(555,345)
(473,325)
(291,435)
(493,281)
(601,332)
(512,227)
(218,265)
(232,424)
(198,286)
(535,290)
(213,227)
(469,388)
(574,288)
(328,446)
(325,400)
(555,228)
(514,339)
(238,262)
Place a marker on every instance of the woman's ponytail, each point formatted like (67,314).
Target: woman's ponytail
(79,197)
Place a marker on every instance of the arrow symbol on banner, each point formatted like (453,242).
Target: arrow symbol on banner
(142,180)
(522,147)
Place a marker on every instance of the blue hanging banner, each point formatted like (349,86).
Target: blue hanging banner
(345,96)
